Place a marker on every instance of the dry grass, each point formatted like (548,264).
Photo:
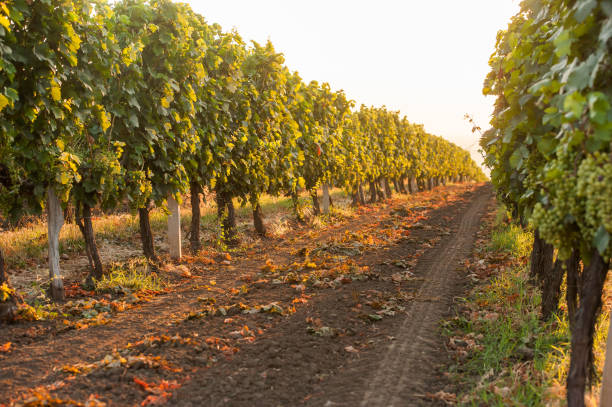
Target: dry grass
(26,247)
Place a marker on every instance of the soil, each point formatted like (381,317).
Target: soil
(343,316)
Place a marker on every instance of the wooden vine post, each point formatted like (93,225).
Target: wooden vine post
(174,229)
(54,222)
(325,200)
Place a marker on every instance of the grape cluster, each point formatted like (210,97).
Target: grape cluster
(558,221)
(594,188)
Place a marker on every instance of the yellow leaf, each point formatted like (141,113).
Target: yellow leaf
(5,292)
(63,178)
(3,102)
(5,22)
(56,93)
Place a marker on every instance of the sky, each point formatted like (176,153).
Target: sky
(427,59)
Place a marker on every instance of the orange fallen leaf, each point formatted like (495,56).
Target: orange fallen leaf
(5,348)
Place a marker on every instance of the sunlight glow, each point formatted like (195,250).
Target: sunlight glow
(427,59)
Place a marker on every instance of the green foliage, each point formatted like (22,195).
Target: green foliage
(549,146)
(42,113)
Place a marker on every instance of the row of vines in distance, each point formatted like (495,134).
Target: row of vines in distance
(141,101)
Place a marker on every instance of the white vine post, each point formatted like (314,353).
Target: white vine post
(55,220)
(325,200)
(606,380)
(414,187)
(174,229)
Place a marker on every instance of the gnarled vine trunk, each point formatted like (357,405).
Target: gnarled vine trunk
(316,208)
(541,261)
(380,191)
(227,215)
(551,289)
(387,186)
(396,186)
(146,235)
(373,193)
(296,207)
(581,362)
(258,222)
(361,194)
(83,220)
(8,308)
(573,281)
(3,274)
(194,237)
(421,184)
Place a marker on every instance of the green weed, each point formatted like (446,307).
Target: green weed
(131,276)
(516,358)
(513,239)
(518,355)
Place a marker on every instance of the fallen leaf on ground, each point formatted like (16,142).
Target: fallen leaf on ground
(448,398)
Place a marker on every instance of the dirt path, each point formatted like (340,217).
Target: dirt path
(410,368)
(365,333)
(405,372)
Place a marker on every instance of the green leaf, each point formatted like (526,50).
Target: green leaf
(133,119)
(516,160)
(547,145)
(563,43)
(574,103)
(598,107)
(580,76)
(606,30)
(584,9)
(601,240)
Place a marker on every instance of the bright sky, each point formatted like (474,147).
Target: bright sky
(426,59)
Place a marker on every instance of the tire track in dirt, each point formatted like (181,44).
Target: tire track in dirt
(405,369)
(409,366)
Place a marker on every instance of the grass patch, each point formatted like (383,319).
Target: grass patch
(511,238)
(512,358)
(518,356)
(132,276)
